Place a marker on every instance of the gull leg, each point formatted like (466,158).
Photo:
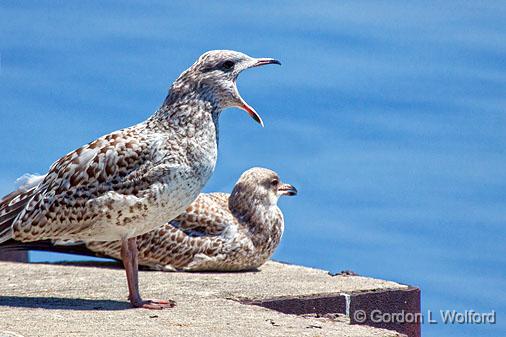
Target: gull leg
(129,255)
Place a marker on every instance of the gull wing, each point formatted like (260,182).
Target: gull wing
(207,215)
(60,204)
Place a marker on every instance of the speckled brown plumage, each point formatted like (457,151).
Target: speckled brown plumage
(127,183)
(217,231)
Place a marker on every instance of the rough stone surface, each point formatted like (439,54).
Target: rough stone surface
(69,300)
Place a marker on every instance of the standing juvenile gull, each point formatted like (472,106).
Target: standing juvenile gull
(217,232)
(131,181)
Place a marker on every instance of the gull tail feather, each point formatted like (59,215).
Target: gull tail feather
(5,234)
(10,207)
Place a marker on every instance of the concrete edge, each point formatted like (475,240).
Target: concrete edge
(361,307)
(14,256)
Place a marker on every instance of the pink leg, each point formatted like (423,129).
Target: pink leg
(129,255)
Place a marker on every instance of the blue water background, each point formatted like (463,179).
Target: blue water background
(389,117)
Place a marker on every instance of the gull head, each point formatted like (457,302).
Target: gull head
(214,78)
(261,186)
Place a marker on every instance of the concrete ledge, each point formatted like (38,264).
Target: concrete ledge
(60,300)
(387,301)
(14,257)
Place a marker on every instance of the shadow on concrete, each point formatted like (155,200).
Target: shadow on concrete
(119,265)
(59,303)
(92,264)
(219,271)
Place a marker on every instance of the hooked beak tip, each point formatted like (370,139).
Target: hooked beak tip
(289,190)
(264,61)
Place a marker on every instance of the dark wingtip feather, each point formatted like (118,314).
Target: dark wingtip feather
(47,246)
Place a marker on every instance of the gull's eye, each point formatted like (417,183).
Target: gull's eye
(274,182)
(227,65)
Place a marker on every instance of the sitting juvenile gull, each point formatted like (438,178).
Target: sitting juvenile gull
(217,232)
(131,181)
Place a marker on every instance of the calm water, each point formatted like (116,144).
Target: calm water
(388,117)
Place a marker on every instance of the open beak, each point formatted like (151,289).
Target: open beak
(245,106)
(251,112)
(286,189)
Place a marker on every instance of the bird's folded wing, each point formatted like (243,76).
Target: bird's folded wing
(207,215)
(111,163)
